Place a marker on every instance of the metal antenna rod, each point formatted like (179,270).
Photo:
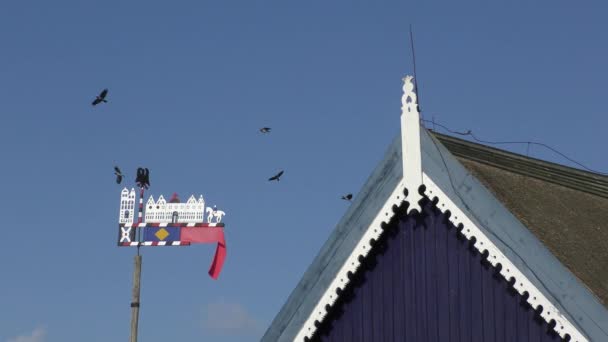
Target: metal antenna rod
(415,75)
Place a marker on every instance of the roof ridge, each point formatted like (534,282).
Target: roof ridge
(577,179)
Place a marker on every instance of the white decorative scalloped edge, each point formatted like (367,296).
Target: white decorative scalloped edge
(482,243)
(352,263)
(495,257)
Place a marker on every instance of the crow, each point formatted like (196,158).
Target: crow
(101,97)
(143,178)
(276,177)
(118,175)
(347,197)
(265,130)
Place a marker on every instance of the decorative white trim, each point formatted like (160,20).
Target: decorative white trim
(410,141)
(470,230)
(495,257)
(156,243)
(352,263)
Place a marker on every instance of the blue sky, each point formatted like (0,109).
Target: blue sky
(191,82)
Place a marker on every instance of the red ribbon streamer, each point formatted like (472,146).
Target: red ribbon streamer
(208,235)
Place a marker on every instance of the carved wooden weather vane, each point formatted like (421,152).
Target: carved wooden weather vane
(166,223)
(170,223)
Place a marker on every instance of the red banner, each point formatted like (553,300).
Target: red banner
(208,235)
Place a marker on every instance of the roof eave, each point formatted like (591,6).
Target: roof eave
(337,249)
(548,282)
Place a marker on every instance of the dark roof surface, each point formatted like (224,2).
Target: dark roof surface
(565,208)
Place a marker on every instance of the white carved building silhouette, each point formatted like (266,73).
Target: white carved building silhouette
(127,206)
(161,211)
(174,211)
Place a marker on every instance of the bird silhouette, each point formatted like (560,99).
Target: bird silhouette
(347,197)
(143,178)
(100,98)
(265,130)
(276,177)
(118,175)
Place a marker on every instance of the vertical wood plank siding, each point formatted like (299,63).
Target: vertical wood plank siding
(424,282)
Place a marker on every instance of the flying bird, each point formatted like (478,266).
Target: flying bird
(118,175)
(265,130)
(347,197)
(143,178)
(276,177)
(101,97)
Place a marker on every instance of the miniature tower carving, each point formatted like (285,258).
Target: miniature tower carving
(127,206)
(200,209)
(175,211)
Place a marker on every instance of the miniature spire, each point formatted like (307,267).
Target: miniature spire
(174,198)
(410,143)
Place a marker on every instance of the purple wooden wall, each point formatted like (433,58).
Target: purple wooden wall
(426,283)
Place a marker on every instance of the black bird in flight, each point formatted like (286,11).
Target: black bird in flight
(265,130)
(143,178)
(118,175)
(276,177)
(101,97)
(347,197)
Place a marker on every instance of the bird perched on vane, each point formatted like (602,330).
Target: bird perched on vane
(265,130)
(101,97)
(118,175)
(347,197)
(143,178)
(276,177)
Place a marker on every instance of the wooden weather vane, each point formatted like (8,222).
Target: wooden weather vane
(166,223)
(170,223)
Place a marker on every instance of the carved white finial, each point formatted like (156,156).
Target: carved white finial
(409,100)
(410,143)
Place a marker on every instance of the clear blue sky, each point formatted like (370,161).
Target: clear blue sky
(191,82)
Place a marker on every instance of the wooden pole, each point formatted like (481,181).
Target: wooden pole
(135,298)
(137,270)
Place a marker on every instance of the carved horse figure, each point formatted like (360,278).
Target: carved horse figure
(213,212)
(218,215)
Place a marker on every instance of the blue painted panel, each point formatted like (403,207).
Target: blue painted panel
(162,234)
(387,295)
(398,295)
(423,282)
(452,290)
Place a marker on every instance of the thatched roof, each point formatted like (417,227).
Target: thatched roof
(566,208)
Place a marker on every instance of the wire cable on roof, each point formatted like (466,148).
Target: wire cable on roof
(470,133)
